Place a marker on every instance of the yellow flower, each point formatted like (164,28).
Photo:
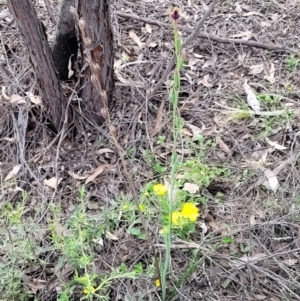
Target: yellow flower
(142,207)
(190,211)
(177,218)
(157,283)
(160,189)
(125,207)
(89,290)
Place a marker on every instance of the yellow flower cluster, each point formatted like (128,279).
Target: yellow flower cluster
(189,211)
(89,290)
(160,189)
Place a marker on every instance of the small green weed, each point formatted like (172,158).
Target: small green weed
(292,62)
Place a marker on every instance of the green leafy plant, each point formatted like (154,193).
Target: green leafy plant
(292,62)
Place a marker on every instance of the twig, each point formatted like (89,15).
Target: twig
(186,42)
(196,33)
(271,47)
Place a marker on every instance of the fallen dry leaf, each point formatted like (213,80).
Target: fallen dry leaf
(251,98)
(76,177)
(104,151)
(34,99)
(272,180)
(17,99)
(135,38)
(271,76)
(158,120)
(223,146)
(96,173)
(191,188)
(52,182)
(256,69)
(195,130)
(275,144)
(13,172)
(148,28)
(186,132)
(205,81)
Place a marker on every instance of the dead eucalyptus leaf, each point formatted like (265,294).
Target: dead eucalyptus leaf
(104,151)
(135,38)
(253,13)
(148,28)
(13,172)
(191,188)
(256,69)
(17,99)
(205,81)
(52,182)
(272,182)
(34,99)
(251,98)
(158,120)
(4,95)
(110,236)
(275,144)
(96,173)
(223,146)
(76,177)
(195,130)
(271,77)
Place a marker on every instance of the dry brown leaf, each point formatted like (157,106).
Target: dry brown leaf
(148,28)
(271,76)
(223,146)
(256,69)
(76,177)
(275,144)
(253,13)
(191,188)
(290,262)
(13,172)
(272,180)
(196,131)
(33,284)
(245,259)
(52,182)
(186,132)
(135,38)
(193,61)
(17,99)
(110,236)
(152,44)
(251,98)
(205,81)
(34,99)
(4,95)
(158,120)
(104,151)
(96,173)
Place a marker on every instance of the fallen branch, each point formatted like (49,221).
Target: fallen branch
(271,47)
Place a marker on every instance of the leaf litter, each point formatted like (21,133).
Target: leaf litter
(235,214)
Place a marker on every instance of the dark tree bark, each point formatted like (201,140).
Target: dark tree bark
(97,53)
(35,39)
(66,44)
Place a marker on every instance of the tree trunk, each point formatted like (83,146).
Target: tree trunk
(35,39)
(66,44)
(97,54)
